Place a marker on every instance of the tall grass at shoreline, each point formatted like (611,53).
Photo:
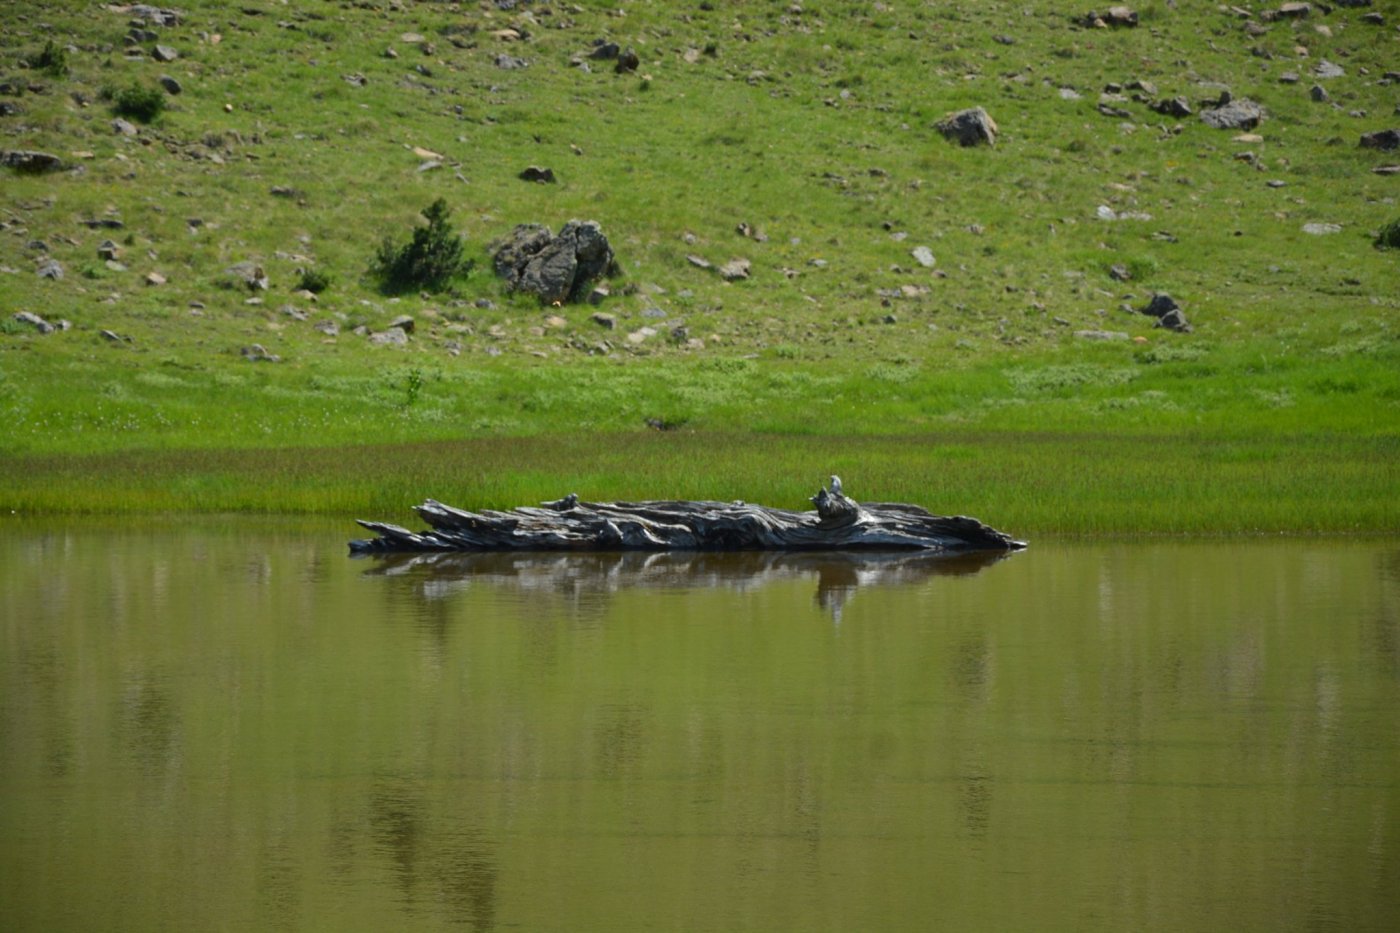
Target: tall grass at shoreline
(1025,483)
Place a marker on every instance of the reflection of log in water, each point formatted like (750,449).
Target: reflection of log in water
(838,573)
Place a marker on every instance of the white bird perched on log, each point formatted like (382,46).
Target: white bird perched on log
(835,485)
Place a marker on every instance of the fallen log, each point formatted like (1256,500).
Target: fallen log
(837,523)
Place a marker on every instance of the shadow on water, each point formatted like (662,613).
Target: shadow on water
(591,577)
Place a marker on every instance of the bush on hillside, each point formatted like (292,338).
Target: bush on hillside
(139,102)
(52,61)
(1389,237)
(428,262)
(314,281)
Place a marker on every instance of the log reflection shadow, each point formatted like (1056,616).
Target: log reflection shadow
(839,574)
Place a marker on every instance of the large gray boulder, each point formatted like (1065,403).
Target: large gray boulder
(554,268)
(969,127)
(1242,114)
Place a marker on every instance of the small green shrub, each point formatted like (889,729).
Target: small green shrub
(139,102)
(52,61)
(429,261)
(1389,237)
(314,280)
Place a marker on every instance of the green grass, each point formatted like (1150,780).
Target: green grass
(812,128)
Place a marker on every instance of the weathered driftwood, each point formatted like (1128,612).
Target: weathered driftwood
(838,523)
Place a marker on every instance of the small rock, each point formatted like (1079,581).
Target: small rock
(735,270)
(555,322)
(257,353)
(605,51)
(627,62)
(171,86)
(164,53)
(355,80)
(1120,273)
(34,321)
(249,274)
(1319,94)
(510,62)
(599,294)
(1242,114)
(969,127)
(108,250)
(537,174)
(403,322)
(1325,69)
(1100,335)
(124,127)
(50,269)
(699,262)
(30,161)
(924,256)
(1167,312)
(1319,229)
(155,278)
(1382,139)
(1173,107)
(1069,93)
(328,327)
(391,337)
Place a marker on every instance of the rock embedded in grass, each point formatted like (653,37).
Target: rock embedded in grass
(30,161)
(1384,140)
(553,268)
(1242,114)
(1167,312)
(969,127)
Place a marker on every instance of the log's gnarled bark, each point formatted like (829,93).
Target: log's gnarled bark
(570,524)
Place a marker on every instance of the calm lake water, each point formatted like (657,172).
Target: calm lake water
(230,725)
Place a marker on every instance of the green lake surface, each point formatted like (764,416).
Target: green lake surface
(227,724)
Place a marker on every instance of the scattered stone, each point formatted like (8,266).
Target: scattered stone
(257,353)
(328,327)
(603,320)
(1242,114)
(1173,107)
(30,161)
(1115,16)
(535,173)
(248,274)
(1120,273)
(108,250)
(172,87)
(164,53)
(510,62)
(1319,94)
(1381,139)
(1373,19)
(1317,229)
(403,322)
(112,336)
(924,256)
(1069,93)
(599,294)
(1289,77)
(50,269)
(1325,69)
(1108,110)
(627,62)
(699,262)
(284,191)
(9,108)
(1100,335)
(393,337)
(1386,170)
(735,270)
(969,127)
(1167,312)
(554,268)
(124,127)
(155,278)
(34,321)
(293,312)
(555,322)
(355,80)
(604,51)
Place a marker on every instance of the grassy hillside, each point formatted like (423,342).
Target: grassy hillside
(797,136)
